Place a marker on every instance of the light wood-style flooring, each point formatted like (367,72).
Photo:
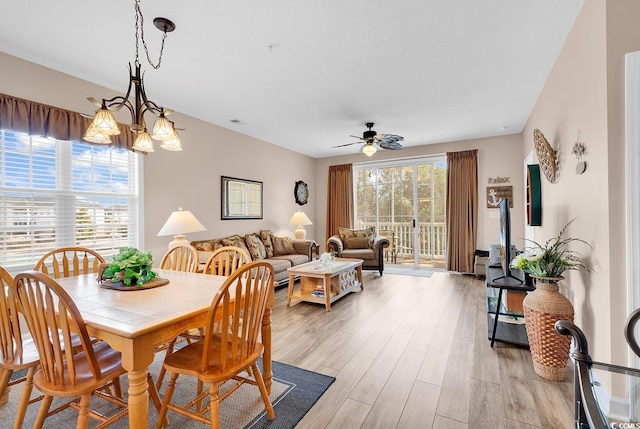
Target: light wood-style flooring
(412,352)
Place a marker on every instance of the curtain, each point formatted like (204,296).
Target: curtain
(339,198)
(462,209)
(38,119)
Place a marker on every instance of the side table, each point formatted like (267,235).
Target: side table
(504,324)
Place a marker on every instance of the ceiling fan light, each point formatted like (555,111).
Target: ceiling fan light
(94,135)
(143,142)
(105,123)
(173,144)
(162,129)
(369,149)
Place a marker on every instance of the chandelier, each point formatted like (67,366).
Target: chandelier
(104,124)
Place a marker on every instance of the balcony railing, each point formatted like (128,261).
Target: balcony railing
(432,238)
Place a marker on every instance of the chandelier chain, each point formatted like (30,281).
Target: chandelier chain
(140,27)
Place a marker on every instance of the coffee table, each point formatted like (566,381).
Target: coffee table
(325,283)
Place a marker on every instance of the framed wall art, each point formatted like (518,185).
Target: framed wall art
(241,198)
(495,194)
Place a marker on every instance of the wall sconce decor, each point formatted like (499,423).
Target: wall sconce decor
(579,150)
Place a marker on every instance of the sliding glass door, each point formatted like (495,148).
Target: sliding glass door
(405,201)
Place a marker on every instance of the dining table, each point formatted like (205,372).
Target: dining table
(136,320)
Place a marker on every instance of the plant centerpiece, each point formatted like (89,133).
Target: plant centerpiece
(545,305)
(131,267)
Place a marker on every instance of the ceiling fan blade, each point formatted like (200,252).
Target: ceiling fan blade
(390,137)
(356,137)
(348,144)
(392,145)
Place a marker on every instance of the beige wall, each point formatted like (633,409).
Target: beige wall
(191,178)
(585,92)
(497,157)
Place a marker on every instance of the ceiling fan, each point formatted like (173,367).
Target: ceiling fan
(371,138)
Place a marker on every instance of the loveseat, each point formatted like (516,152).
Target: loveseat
(360,244)
(280,252)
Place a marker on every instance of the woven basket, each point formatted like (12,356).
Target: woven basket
(542,309)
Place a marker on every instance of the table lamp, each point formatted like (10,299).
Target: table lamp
(300,219)
(180,222)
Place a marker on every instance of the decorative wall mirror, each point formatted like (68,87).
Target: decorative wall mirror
(241,199)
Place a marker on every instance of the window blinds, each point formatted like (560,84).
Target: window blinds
(56,193)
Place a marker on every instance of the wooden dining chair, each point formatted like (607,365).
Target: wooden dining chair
(16,353)
(180,258)
(222,262)
(225,260)
(69,261)
(228,353)
(68,372)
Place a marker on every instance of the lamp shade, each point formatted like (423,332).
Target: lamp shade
(180,222)
(105,122)
(300,219)
(143,142)
(94,135)
(173,144)
(162,129)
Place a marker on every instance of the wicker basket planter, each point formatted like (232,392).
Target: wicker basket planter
(542,309)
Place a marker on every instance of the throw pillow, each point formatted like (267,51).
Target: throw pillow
(208,245)
(265,236)
(237,241)
(256,247)
(282,246)
(346,233)
(357,243)
(204,247)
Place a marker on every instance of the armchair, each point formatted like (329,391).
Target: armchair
(360,244)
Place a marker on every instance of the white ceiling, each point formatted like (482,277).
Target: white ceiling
(305,75)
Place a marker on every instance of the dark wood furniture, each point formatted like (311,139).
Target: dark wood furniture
(503,324)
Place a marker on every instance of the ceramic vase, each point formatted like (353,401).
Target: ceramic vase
(543,307)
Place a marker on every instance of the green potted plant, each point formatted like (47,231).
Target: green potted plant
(544,306)
(131,267)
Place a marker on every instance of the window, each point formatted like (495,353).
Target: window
(57,193)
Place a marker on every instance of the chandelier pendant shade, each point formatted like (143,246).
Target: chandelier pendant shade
(104,123)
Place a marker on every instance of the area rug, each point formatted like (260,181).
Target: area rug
(293,393)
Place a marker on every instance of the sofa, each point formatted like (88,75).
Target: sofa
(360,244)
(280,252)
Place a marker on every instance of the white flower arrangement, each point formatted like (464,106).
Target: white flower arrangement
(551,259)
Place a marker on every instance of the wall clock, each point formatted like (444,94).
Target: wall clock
(301,192)
(534,196)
